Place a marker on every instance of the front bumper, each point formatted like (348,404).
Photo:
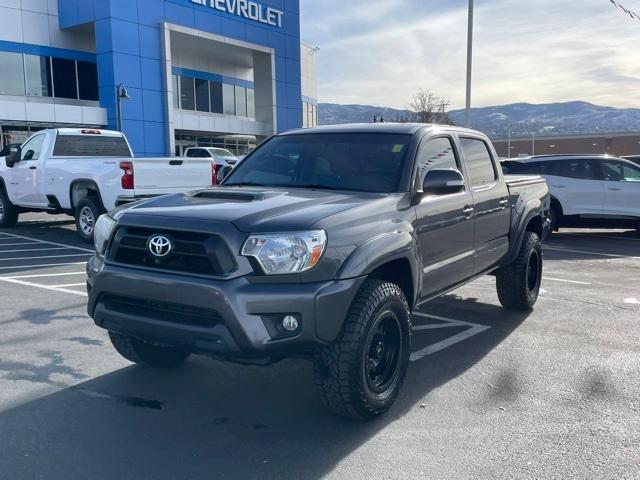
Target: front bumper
(241,316)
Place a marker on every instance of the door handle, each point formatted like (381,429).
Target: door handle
(559,186)
(504,202)
(614,189)
(32,167)
(468,211)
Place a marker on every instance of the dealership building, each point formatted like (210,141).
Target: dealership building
(188,72)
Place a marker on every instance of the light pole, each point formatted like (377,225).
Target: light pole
(121,94)
(467,115)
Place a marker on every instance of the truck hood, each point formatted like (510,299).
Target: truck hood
(256,209)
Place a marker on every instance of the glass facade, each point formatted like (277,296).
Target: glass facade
(41,76)
(201,95)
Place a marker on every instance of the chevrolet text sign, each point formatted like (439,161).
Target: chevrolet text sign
(247,9)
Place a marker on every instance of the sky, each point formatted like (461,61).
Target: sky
(380,52)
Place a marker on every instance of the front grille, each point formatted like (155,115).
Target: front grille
(163,311)
(194,253)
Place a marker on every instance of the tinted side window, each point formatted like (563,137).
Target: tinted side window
(620,172)
(479,162)
(437,153)
(198,153)
(579,168)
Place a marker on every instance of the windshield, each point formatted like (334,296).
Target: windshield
(343,161)
(223,153)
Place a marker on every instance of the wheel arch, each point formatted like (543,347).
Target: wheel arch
(82,188)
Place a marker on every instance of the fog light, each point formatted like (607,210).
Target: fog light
(290,323)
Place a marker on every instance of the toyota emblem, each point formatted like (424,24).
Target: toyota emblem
(159,246)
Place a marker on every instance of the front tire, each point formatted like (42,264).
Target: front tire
(518,284)
(87,212)
(8,211)
(360,374)
(146,354)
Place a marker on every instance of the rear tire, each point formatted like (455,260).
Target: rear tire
(554,217)
(87,212)
(8,211)
(518,284)
(360,374)
(146,354)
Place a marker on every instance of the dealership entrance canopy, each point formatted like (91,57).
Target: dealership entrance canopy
(199,72)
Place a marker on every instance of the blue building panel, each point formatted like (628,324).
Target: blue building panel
(129,50)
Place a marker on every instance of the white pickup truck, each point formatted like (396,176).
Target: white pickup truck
(86,172)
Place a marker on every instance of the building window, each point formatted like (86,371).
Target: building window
(38,76)
(176,91)
(87,81)
(11,74)
(64,78)
(251,103)
(202,95)
(187,94)
(215,92)
(228,99)
(241,101)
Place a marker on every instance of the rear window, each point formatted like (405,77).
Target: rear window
(90,146)
(198,153)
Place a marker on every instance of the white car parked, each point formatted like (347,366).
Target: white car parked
(224,159)
(586,191)
(86,172)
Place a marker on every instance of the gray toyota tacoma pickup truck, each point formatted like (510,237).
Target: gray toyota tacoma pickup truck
(319,244)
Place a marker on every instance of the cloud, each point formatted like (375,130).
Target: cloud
(380,52)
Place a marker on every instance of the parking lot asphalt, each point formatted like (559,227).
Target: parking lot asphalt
(554,393)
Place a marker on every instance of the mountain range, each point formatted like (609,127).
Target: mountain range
(517,120)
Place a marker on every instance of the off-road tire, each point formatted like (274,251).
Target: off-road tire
(340,368)
(87,210)
(518,284)
(8,211)
(146,354)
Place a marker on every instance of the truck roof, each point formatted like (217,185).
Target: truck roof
(398,128)
(88,131)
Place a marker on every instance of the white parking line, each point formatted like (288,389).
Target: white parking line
(48,243)
(47,256)
(42,266)
(44,287)
(13,244)
(585,252)
(67,285)
(42,275)
(35,249)
(562,280)
(474,329)
(597,237)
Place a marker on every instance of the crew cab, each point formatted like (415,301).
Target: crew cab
(319,244)
(587,190)
(86,172)
(223,158)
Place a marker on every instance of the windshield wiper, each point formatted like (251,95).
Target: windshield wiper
(243,184)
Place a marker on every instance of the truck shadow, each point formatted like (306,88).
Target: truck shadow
(213,420)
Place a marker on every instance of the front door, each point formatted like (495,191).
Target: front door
(621,188)
(491,201)
(444,223)
(25,178)
(575,183)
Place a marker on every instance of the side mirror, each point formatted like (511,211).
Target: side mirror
(443,182)
(13,157)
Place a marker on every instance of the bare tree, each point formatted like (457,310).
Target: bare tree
(427,107)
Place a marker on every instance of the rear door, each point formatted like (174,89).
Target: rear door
(621,188)
(444,223)
(576,184)
(492,215)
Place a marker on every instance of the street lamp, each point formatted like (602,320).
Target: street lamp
(121,94)
(467,115)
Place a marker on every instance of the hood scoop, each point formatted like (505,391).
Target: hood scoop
(232,195)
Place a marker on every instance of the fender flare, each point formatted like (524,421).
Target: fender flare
(379,251)
(530,213)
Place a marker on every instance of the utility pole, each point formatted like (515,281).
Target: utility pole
(467,116)
(533,145)
(509,143)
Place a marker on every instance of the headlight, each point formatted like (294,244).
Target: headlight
(280,253)
(102,232)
